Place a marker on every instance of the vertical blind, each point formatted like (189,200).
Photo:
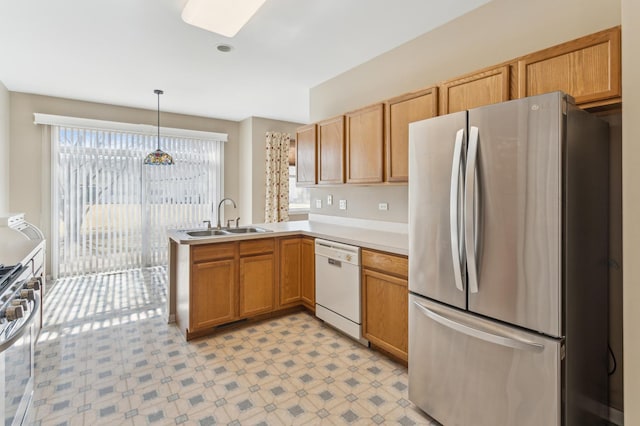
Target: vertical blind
(113,211)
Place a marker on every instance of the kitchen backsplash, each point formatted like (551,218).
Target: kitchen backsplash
(363,202)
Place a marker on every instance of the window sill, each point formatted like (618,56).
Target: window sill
(299,211)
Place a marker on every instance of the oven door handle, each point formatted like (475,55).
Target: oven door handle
(25,326)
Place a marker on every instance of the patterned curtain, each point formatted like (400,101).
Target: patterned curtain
(277,180)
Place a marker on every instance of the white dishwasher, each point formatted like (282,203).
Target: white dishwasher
(338,287)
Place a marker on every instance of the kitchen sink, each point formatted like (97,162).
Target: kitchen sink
(246,230)
(205,233)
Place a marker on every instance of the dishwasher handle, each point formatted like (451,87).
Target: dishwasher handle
(334,262)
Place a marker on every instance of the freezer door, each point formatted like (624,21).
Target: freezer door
(464,370)
(513,202)
(436,177)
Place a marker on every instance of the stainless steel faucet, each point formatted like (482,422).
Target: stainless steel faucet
(219,225)
(229,221)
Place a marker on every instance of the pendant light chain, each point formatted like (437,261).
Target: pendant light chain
(158,157)
(158,92)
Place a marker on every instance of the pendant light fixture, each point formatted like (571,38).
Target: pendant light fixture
(158,157)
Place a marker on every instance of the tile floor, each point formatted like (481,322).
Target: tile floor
(112,359)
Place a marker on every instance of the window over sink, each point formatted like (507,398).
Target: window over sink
(299,198)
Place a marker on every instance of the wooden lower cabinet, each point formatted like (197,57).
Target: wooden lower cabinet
(385,302)
(290,283)
(230,281)
(213,293)
(308,273)
(256,285)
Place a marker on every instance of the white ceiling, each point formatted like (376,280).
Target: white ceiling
(118,51)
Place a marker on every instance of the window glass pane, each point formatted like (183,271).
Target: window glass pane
(299,198)
(113,211)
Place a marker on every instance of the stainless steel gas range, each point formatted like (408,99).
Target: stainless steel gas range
(22,286)
(20,314)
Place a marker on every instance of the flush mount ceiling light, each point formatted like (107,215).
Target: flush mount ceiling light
(158,157)
(224,17)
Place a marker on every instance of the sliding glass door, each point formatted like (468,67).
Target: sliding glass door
(111,212)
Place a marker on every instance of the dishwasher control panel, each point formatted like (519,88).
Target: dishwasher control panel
(338,251)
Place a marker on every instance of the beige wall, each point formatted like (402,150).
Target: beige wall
(5,120)
(30,152)
(252,164)
(631,207)
(245,172)
(362,202)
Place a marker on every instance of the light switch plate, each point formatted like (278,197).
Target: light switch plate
(329,200)
(318,204)
(343,204)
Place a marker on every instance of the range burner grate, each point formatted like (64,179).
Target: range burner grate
(7,275)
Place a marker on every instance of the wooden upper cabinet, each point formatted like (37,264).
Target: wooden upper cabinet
(587,68)
(331,151)
(306,149)
(485,87)
(400,112)
(365,144)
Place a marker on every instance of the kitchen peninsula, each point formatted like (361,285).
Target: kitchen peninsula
(223,279)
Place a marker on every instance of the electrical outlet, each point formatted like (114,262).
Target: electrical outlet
(383,206)
(318,204)
(329,200)
(343,204)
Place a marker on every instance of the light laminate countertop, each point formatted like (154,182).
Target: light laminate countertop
(16,248)
(383,236)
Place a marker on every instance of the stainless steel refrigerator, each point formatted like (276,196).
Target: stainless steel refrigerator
(508,248)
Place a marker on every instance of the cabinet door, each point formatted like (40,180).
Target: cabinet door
(482,88)
(400,112)
(308,273)
(384,312)
(290,288)
(306,155)
(256,284)
(331,151)
(365,144)
(587,68)
(213,293)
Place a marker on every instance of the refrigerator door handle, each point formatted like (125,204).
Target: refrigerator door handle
(457,253)
(487,336)
(470,210)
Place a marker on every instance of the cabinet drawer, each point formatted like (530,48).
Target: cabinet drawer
(388,263)
(213,251)
(260,246)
